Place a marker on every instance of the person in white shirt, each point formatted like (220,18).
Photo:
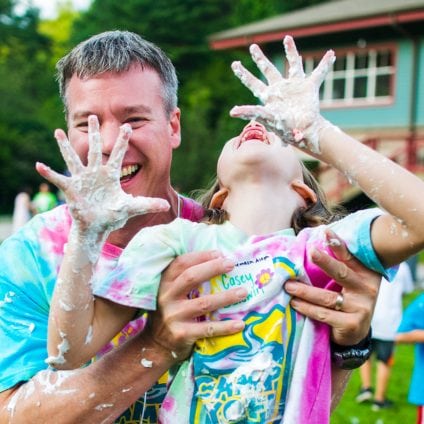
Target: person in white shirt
(386,319)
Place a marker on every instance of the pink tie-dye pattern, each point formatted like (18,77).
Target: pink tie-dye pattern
(56,236)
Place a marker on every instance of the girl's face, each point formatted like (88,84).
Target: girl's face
(257,153)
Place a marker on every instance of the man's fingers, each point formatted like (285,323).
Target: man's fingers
(337,270)
(206,304)
(142,205)
(72,160)
(338,246)
(120,147)
(311,294)
(94,158)
(318,312)
(187,271)
(60,181)
(216,328)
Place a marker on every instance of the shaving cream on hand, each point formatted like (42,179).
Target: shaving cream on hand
(290,105)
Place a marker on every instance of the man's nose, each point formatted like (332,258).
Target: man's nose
(109,134)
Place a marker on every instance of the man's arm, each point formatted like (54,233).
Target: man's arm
(95,394)
(102,391)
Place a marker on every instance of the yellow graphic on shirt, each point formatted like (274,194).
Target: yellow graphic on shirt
(244,377)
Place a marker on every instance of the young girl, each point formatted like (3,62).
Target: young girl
(271,218)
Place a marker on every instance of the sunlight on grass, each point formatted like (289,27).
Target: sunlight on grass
(350,412)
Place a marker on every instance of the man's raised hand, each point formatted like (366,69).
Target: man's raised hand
(93,191)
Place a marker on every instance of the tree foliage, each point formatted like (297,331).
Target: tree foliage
(29,104)
(26,87)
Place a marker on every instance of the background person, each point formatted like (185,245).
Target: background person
(386,319)
(122,78)
(21,209)
(44,199)
(411,330)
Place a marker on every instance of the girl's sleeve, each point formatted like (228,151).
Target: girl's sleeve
(355,230)
(135,280)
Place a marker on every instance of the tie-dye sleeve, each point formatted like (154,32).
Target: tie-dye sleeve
(135,280)
(355,230)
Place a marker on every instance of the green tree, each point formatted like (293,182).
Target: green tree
(26,82)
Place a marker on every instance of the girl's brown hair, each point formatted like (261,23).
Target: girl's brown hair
(311,215)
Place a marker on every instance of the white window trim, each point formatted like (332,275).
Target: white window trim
(350,73)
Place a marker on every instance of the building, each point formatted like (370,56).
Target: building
(375,91)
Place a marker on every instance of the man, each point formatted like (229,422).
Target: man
(122,78)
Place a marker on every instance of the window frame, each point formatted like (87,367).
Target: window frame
(350,73)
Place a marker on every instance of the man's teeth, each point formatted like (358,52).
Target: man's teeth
(128,170)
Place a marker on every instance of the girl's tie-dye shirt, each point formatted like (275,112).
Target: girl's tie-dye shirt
(278,368)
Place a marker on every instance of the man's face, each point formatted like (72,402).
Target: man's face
(133,97)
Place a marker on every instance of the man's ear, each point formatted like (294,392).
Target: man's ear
(175,128)
(218,198)
(304,191)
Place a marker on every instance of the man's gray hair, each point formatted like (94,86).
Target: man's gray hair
(117,51)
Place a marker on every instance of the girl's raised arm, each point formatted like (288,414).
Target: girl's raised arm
(291,109)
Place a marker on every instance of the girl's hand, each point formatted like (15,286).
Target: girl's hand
(290,105)
(93,192)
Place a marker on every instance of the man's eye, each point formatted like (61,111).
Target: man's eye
(82,125)
(135,120)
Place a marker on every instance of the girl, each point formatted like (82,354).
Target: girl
(271,219)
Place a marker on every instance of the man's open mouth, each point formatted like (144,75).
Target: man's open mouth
(128,171)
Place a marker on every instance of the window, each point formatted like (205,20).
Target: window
(358,77)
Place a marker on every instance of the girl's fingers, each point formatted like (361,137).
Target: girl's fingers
(293,58)
(320,72)
(257,87)
(72,160)
(267,68)
(252,112)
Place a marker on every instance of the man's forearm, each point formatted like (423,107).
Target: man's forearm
(339,380)
(96,394)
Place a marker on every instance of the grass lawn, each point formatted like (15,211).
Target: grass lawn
(349,412)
